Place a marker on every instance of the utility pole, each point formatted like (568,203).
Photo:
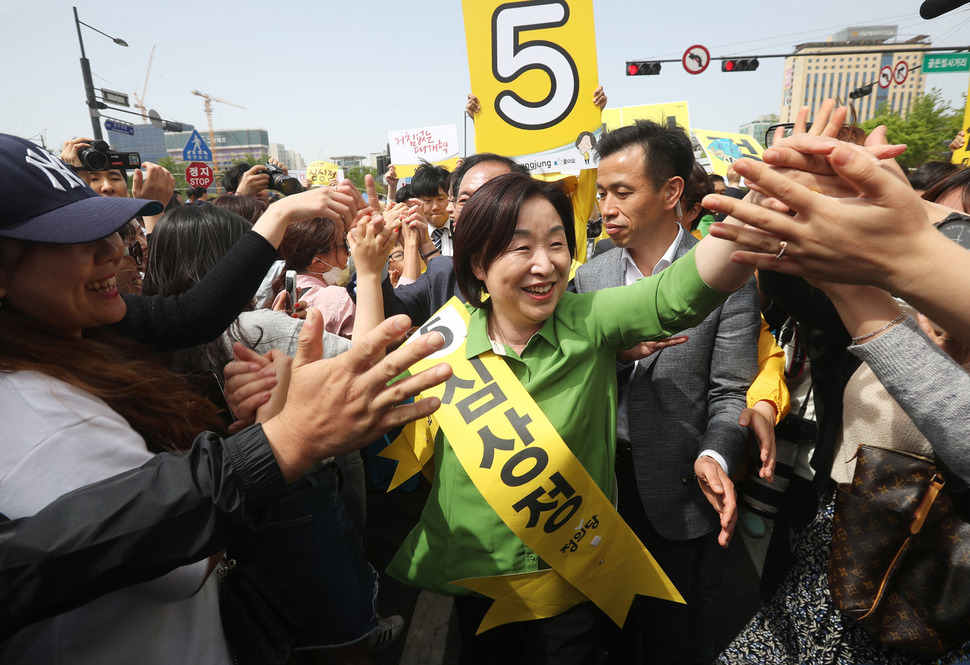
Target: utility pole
(94,105)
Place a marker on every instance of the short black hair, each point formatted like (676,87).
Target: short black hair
(231,178)
(403,194)
(428,179)
(667,150)
(481,158)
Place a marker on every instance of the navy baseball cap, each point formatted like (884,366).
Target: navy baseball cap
(43,200)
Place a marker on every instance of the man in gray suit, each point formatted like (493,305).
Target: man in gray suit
(678,437)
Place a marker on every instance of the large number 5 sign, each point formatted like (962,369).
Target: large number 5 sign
(511,57)
(532,64)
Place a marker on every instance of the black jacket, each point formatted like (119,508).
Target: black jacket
(134,527)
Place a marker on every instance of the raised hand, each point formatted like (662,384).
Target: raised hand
(340,404)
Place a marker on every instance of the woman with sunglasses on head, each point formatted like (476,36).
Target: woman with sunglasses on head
(317,250)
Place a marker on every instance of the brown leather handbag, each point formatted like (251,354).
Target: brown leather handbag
(900,560)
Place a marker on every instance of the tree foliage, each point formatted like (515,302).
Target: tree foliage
(250,159)
(177,169)
(356,175)
(926,130)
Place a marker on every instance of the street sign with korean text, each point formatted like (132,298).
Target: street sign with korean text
(942,63)
(119,126)
(198,174)
(196,149)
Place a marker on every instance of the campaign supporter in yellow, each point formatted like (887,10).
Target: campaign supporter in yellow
(770,385)
(562,348)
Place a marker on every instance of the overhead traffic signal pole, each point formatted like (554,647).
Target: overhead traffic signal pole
(654,64)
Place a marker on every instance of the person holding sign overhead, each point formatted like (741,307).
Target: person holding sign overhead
(519,509)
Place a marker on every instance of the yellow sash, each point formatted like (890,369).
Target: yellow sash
(532,480)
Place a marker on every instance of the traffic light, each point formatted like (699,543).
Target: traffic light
(861,92)
(739,65)
(642,68)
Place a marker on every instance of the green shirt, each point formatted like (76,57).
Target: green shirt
(704,226)
(569,368)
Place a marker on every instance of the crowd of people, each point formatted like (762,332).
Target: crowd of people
(185,387)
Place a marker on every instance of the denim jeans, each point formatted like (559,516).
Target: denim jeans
(308,555)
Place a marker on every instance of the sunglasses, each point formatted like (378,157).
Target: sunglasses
(134,251)
(342,243)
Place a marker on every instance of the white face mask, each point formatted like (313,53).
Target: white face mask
(335,276)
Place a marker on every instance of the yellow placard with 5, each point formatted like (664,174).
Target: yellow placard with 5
(533,67)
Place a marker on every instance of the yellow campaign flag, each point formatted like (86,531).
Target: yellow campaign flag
(533,68)
(663,114)
(962,156)
(321,173)
(725,148)
(540,490)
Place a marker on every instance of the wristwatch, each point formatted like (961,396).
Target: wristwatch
(956,227)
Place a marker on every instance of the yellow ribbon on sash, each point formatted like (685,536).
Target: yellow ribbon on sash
(533,481)
(413,449)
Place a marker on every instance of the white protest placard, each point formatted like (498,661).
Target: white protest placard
(409,147)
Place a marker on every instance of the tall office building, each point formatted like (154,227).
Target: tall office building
(758,127)
(850,59)
(291,158)
(148,141)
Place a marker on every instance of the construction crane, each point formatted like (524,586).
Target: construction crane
(140,101)
(212,133)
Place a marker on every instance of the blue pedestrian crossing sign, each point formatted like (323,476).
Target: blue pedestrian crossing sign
(196,150)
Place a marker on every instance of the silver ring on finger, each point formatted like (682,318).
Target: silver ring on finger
(781,249)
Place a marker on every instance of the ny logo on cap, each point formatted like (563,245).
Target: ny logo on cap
(49,165)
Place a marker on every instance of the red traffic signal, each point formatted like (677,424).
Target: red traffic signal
(739,65)
(642,68)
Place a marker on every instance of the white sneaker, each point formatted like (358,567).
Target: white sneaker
(388,630)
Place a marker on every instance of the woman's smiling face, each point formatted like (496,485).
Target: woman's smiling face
(69,288)
(526,282)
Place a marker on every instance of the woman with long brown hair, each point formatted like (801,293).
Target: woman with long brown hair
(80,405)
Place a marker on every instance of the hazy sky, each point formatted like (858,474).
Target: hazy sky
(330,78)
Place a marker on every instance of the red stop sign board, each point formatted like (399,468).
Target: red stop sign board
(198,174)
